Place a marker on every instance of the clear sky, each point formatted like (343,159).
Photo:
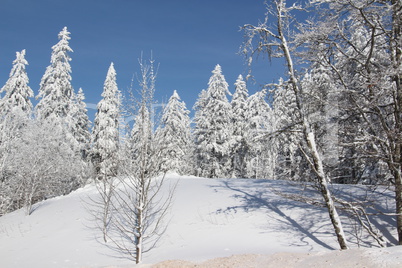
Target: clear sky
(187,38)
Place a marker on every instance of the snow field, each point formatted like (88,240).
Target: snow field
(209,218)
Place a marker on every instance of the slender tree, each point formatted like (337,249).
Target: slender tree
(138,204)
(287,132)
(200,131)
(17,91)
(55,90)
(79,123)
(361,42)
(240,120)
(214,136)
(278,40)
(261,158)
(105,132)
(175,136)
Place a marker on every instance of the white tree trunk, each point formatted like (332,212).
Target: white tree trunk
(308,133)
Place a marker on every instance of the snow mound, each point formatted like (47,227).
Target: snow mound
(243,223)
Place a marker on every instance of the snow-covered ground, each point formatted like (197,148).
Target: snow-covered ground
(209,218)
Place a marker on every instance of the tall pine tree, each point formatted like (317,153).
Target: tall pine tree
(261,155)
(174,136)
(105,133)
(55,90)
(79,123)
(240,120)
(214,133)
(17,91)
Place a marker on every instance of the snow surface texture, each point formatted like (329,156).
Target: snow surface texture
(209,218)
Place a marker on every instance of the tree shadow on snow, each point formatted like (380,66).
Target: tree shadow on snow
(378,202)
(259,195)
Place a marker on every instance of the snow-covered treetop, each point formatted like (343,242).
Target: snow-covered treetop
(241,93)
(239,106)
(258,110)
(17,90)
(175,112)
(55,87)
(217,85)
(175,95)
(110,103)
(61,49)
(106,125)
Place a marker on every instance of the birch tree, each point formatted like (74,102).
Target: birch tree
(277,42)
(141,197)
(361,42)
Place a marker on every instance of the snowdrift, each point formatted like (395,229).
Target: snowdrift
(209,218)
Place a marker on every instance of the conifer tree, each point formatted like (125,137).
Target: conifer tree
(240,120)
(200,130)
(17,91)
(261,152)
(174,136)
(214,134)
(287,132)
(141,135)
(55,90)
(106,128)
(79,122)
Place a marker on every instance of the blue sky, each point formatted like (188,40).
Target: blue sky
(187,38)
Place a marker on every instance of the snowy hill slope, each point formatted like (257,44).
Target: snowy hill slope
(209,218)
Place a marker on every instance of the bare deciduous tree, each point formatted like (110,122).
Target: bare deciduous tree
(132,206)
(276,42)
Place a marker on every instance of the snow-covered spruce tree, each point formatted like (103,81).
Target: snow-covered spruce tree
(200,131)
(105,133)
(15,106)
(277,42)
(17,91)
(240,149)
(79,123)
(55,90)
(141,133)
(321,96)
(56,94)
(15,113)
(262,153)
(174,134)
(286,134)
(214,135)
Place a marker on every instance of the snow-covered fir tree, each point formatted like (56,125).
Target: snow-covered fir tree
(17,91)
(214,128)
(174,137)
(287,132)
(55,90)
(79,123)
(141,137)
(261,156)
(200,130)
(15,112)
(240,148)
(322,110)
(105,133)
